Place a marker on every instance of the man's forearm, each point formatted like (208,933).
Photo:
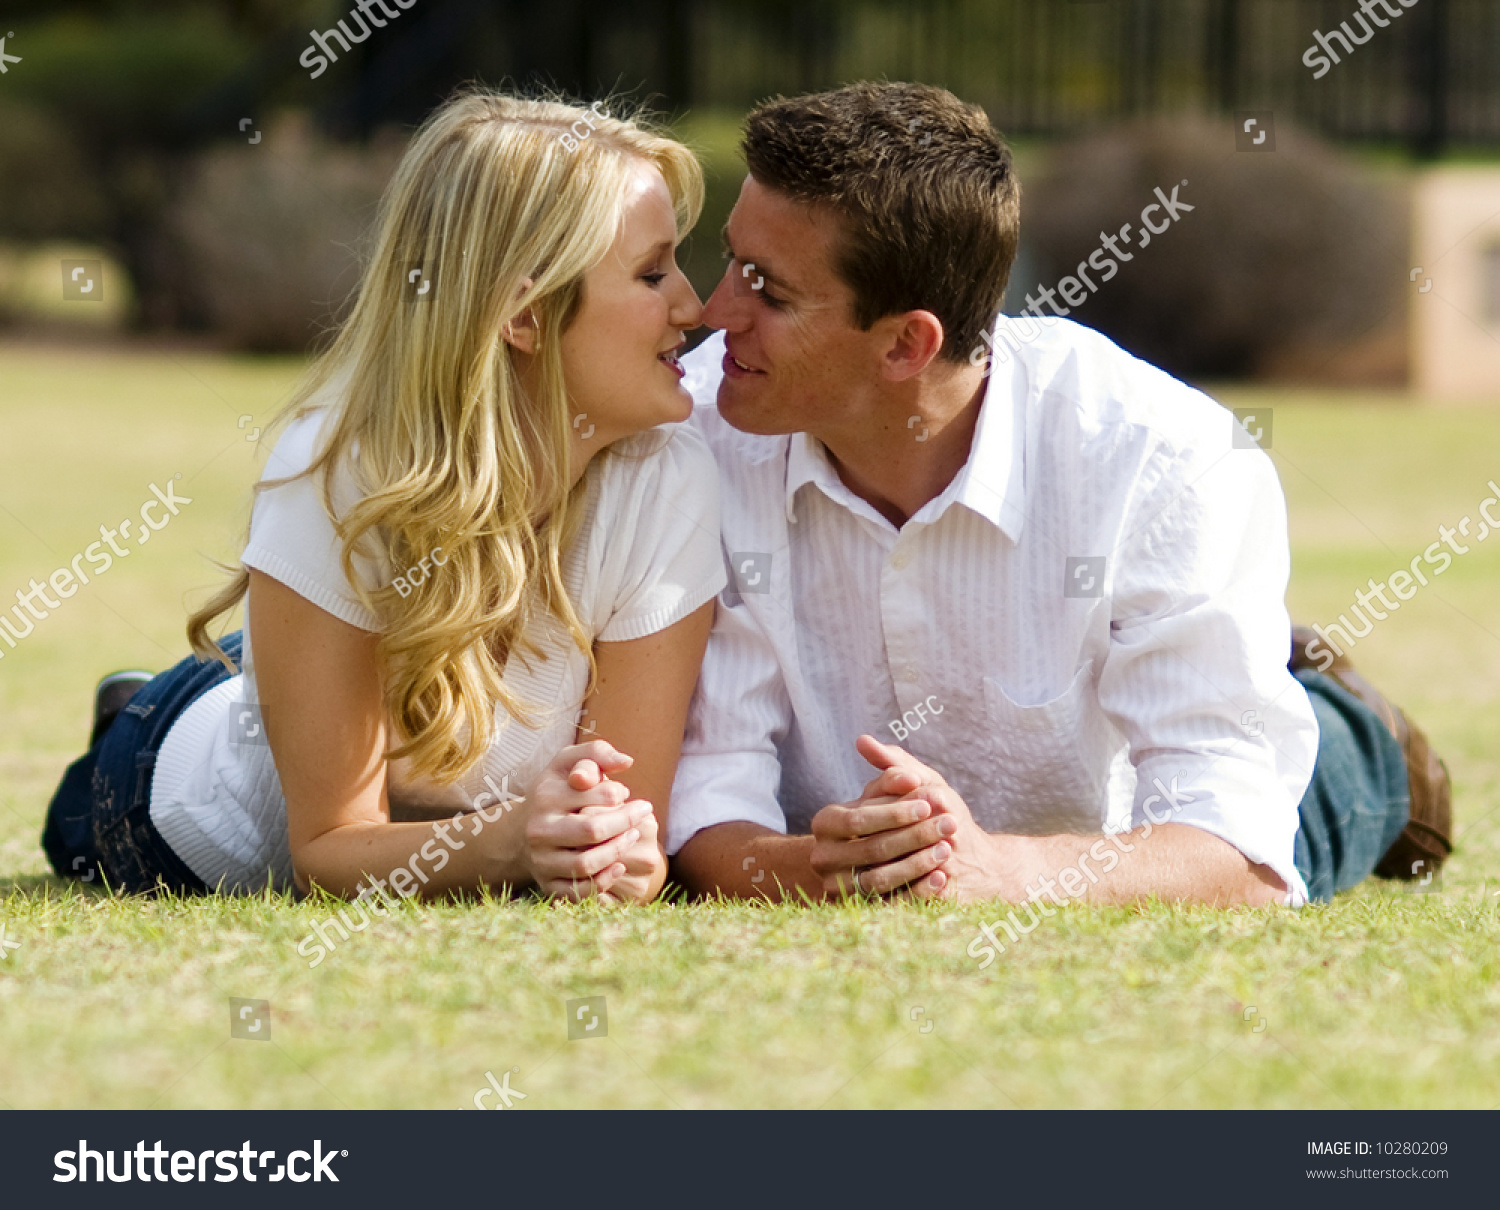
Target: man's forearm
(747,861)
(1175,862)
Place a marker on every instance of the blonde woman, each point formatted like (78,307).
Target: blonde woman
(480,573)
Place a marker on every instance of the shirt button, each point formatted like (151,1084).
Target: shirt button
(910,676)
(899,561)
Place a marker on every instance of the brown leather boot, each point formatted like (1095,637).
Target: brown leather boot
(1427,840)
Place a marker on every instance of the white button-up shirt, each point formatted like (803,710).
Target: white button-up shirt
(1085,630)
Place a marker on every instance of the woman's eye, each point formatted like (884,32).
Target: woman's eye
(655,279)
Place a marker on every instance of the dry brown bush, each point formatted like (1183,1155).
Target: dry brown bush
(272,233)
(1289,258)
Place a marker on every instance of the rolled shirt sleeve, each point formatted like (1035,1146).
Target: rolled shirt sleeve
(1222,736)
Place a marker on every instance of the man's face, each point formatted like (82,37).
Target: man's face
(797,362)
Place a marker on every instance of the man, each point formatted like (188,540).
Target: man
(1051,574)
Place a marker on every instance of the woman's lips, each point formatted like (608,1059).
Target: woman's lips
(669,359)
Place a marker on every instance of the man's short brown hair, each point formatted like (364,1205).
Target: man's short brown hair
(924,188)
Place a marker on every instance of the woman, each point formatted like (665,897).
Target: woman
(478,580)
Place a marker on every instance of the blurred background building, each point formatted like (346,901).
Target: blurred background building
(220,174)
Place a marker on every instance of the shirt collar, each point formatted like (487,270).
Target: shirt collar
(992,483)
(808,462)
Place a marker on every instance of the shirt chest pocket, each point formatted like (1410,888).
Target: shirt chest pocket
(1050,763)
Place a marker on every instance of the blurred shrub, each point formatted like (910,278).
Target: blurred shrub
(125,77)
(1290,257)
(47,190)
(714,137)
(105,102)
(272,233)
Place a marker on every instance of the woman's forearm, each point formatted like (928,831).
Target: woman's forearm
(402,860)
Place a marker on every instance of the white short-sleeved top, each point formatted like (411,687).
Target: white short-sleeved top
(646,556)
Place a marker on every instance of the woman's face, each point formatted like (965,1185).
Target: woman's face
(620,352)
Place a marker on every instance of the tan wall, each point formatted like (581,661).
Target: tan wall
(1455,343)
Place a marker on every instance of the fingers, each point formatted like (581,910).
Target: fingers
(605,881)
(624,880)
(580,865)
(895,782)
(843,821)
(888,758)
(603,755)
(930,887)
(894,875)
(601,839)
(585,775)
(884,846)
(602,794)
(590,826)
(882,756)
(944,799)
(578,889)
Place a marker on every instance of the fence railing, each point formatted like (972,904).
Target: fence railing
(1428,78)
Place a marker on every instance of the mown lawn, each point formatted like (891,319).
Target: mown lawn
(1386,998)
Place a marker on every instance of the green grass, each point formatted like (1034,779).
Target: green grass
(1384,998)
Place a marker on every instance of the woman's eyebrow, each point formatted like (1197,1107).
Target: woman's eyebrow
(654,253)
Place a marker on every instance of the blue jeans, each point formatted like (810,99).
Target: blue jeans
(1359,798)
(99,821)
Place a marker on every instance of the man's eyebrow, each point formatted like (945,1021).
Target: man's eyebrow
(760,270)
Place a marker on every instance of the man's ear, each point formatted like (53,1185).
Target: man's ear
(521,332)
(916,338)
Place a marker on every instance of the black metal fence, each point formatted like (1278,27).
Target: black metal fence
(1427,78)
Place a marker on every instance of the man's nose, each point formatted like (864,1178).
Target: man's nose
(723,309)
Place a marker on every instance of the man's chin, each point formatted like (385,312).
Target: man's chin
(740,413)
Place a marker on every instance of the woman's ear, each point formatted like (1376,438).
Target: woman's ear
(521,332)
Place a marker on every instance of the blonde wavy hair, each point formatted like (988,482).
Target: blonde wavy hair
(504,204)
